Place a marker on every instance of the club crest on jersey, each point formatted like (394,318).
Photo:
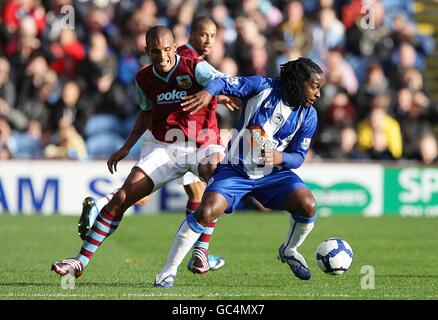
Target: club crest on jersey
(268,105)
(277,119)
(306,143)
(184,81)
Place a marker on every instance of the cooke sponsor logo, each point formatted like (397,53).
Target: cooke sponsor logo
(171,96)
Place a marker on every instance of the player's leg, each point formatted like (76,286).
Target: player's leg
(213,205)
(195,189)
(302,208)
(91,208)
(223,194)
(137,185)
(286,191)
(202,260)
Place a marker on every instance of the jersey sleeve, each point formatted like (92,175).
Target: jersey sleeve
(205,72)
(241,87)
(295,154)
(143,101)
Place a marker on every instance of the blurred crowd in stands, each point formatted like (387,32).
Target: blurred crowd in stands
(70,93)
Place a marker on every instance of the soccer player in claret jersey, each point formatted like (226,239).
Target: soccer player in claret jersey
(276,127)
(201,41)
(176,143)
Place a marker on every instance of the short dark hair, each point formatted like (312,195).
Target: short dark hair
(197,21)
(293,75)
(156,32)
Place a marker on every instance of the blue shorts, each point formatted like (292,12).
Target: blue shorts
(271,190)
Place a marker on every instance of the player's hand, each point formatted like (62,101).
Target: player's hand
(196,102)
(115,158)
(231,103)
(273,157)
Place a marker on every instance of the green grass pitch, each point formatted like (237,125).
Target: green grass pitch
(403,253)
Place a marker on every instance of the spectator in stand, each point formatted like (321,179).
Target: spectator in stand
(341,111)
(327,33)
(363,44)
(295,31)
(348,149)
(379,134)
(336,64)
(248,36)
(16,10)
(22,46)
(7,86)
(99,58)
(376,84)
(404,30)
(221,15)
(69,110)
(428,149)
(403,59)
(262,12)
(66,54)
(416,115)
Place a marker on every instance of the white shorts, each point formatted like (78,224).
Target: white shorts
(164,162)
(187,179)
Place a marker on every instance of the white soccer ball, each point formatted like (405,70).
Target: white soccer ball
(334,256)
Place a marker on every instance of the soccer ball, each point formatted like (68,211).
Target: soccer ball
(334,256)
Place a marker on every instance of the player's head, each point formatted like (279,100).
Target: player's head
(161,48)
(203,35)
(302,80)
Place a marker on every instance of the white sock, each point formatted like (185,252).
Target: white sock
(300,227)
(183,242)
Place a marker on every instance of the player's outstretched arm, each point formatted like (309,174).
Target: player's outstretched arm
(196,102)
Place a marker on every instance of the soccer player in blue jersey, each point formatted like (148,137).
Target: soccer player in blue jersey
(275,131)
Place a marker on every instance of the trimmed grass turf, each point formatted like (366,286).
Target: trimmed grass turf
(402,251)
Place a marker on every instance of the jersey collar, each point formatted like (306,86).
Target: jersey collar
(192,48)
(169,74)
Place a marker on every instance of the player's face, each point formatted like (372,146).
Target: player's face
(162,53)
(312,88)
(204,38)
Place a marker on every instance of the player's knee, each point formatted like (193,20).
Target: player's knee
(308,206)
(205,215)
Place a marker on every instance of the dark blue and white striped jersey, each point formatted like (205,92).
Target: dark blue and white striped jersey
(267,121)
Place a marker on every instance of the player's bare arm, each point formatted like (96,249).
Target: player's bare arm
(141,124)
(196,102)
